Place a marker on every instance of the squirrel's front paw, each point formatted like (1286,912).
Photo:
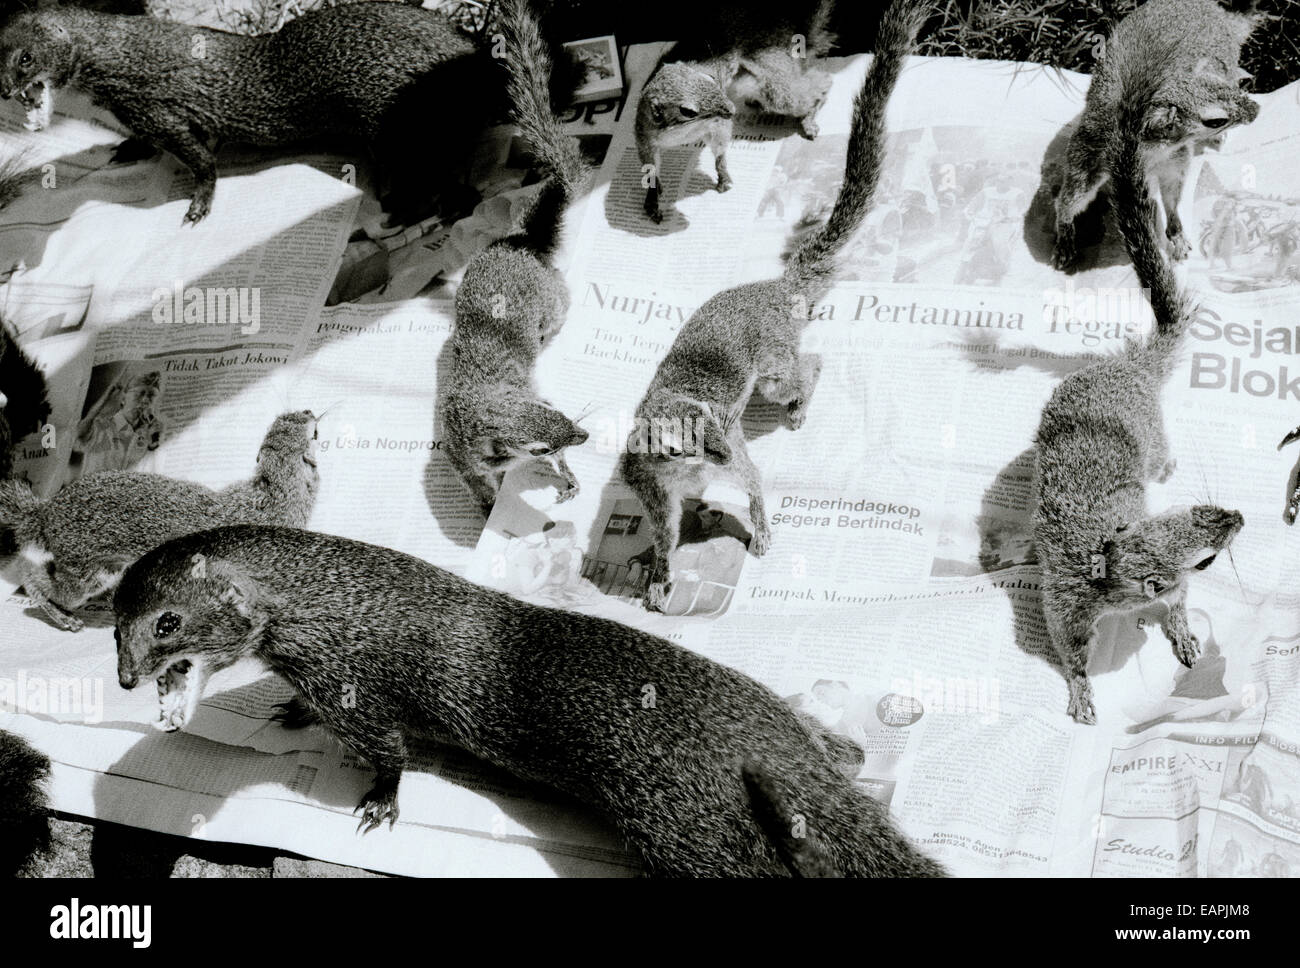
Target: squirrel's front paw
(761,541)
(566,493)
(294,714)
(1179,247)
(1064,256)
(808,128)
(796,412)
(377,806)
(198,211)
(1188,649)
(1081,707)
(724,183)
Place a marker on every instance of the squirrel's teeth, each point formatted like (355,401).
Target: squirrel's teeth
(40,106)
(180,688)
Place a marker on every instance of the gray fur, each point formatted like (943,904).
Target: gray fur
(24,401)
(381,647)
(512,300)
(80,541)
(362,70)
(24,805)
(686,98)
(1100,440)
(746,339)
(1186,56)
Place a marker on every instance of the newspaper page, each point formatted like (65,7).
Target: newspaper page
(899,603)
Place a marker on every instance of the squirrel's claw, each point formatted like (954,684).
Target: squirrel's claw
(294,714)
(377,806)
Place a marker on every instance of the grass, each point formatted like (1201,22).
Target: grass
(1062,33)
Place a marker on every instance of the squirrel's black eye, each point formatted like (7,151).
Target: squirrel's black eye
(168,622)
(688,112)
(1214,122)
(25,60)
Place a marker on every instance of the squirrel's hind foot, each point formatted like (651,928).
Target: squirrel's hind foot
(59,618)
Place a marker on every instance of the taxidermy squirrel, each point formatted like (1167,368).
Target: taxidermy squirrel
(24,809)
(686,99)
(78,543)
(1186,54)
(381,647)
(24,407)
(746,339)
(512,299)
(361,70)
(1101,439)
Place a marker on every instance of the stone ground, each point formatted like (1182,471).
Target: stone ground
(95,849)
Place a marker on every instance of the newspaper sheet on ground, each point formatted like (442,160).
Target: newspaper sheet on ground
(899,602)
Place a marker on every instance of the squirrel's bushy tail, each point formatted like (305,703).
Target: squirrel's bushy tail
(24,809)
(856,838)
(1138,218)
(17,500)
(814,259)
(528,72)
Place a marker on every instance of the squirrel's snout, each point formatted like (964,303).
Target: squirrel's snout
(127,680)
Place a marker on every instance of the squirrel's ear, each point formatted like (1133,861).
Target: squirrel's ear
(1161,119)
(242,590)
